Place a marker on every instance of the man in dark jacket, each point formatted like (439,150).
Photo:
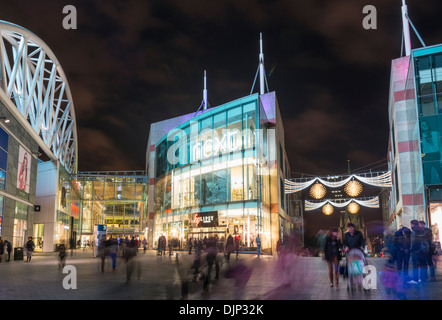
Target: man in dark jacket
(428,237)
(402,246)
(353,239)
(419,252)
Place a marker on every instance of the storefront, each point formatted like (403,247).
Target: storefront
(217,174)
(114,199)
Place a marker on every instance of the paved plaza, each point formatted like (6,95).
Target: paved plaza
(160,278)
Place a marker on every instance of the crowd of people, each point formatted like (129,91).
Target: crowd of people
(415,245)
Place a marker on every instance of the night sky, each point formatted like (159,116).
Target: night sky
(134,62)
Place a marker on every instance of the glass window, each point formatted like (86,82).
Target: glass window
(220,186)
(207,188)
(109,189)
(234,134)
(237,183)
(4,140)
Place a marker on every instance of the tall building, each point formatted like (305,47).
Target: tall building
(415,145)
(221,173)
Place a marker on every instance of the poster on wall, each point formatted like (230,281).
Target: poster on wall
(24,171)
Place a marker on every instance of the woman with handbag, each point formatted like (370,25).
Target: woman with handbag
(332,254)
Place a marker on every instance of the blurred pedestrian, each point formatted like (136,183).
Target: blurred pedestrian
(170,246)
(230,245)
(241,274)
(129,257)
(144,246)
(237,240)
(332,254)
(197,260)
(163,245)
(8,249)
(428,237)
(30,246)
(72,245)
(102,251)
(189,245)
(113,252)
(392,283)
(419,252)
(2,249)
(353,239)
(258,245)
(62,257)
(320,241)
(278,247)
(402,247)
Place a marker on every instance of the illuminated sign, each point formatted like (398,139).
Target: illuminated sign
(229,141)
(204,219)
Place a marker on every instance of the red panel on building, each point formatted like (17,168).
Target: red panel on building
(404,95)
(412,199)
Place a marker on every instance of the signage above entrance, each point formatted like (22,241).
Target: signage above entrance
(204,219)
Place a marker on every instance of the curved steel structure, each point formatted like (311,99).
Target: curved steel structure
(34,88)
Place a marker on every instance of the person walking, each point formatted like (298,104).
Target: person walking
(237,242)
(62,257)
(353,239)
(144,246)
(2,249)
(258,245)
(30,246)
(229,247)
(189,245)
(113,252)
(8,249)
(428,237)
(332,254)
(402,247)
(419,252)
(102,251)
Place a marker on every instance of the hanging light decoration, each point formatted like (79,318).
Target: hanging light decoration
(317,191)
(353,188)
(353,208)
(327,209)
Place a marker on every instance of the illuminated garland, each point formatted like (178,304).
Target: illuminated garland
(369,203)
(383,181)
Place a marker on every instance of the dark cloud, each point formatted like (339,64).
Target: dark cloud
(134,62)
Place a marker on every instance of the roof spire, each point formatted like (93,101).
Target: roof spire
(261,66)
(205,92)
(406,29)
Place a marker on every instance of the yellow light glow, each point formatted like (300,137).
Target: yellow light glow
(328,209)
(353,188)
(317,191)
(353,208)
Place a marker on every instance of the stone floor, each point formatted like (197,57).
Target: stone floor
(161,278)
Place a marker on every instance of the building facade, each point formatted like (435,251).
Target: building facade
(220,172)
(415,146)
(115,199)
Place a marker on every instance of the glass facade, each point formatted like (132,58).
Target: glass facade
(115,199)
(213,165)
(4,142)
(429,98)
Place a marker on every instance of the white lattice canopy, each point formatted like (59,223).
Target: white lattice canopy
(34,88)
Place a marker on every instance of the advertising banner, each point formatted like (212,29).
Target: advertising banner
(204,219)
(24,172)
